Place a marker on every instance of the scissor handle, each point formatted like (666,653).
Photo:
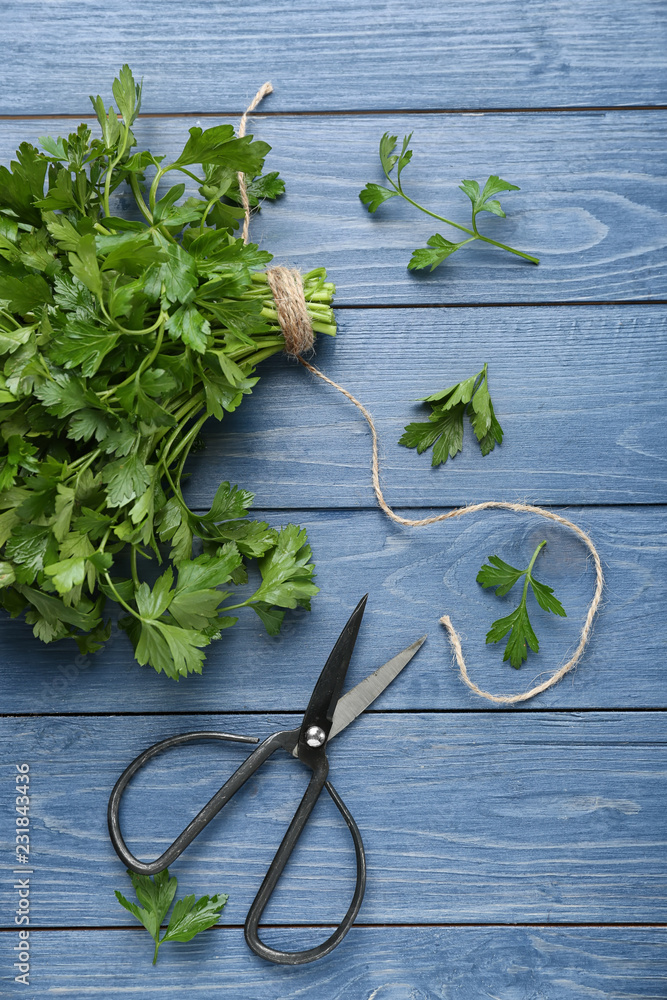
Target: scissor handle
(286,740)
(317,782)
(204,816)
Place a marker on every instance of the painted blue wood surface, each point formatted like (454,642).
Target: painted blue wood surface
(466,818)
(204,56)
(413,576)
(578,392)
(592,203)
(479,816)
(390,963)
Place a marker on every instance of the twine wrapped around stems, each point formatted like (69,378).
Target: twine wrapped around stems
(287,289)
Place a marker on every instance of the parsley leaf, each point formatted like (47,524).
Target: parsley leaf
(444,428)
(499,574)
(287,572)
(156,895)
(437,248)
(373,195)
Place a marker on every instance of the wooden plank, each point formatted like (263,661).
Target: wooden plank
(466,818)
(413,576)
(396,54)
(592,203)
(389,963)
(577,392)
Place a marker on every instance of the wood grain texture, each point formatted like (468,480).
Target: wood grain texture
(391,963)
(468,816)
(577,390)
(413,576)
(465,818)
(592,203)
(397,54)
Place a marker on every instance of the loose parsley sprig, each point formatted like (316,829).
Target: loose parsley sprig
(156,895)
(444,428)
(119,338)
(502,576)
(438,248)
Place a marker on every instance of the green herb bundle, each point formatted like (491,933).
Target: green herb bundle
(119,337)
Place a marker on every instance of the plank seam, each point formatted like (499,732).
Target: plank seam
(357,112)
(560,710)
(305,511)
(546,304)
(367,926)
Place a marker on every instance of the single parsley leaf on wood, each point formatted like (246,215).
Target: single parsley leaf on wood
(437,248)
(156,895)
(499,574)
(444,428)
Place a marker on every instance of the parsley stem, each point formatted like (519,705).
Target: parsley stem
(188,441)
(267,352)
(503,246)
(193,406)
(530,569)
(10,318)
(152,194)
(120,600)
(240,354)
(270,313)
(474,233)
(139,198)
(206,211)
(111,166)
(177,491)
(426,211)
(190,436)
(132,333)
(148,360)
(87,461)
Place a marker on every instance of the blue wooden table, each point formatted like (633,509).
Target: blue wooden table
(514,854)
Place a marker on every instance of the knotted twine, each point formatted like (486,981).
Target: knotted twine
(287,288)
(285,284)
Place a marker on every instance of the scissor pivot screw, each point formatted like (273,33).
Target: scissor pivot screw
(315,736)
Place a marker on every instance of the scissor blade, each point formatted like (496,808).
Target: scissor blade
(326,693)
(358,698)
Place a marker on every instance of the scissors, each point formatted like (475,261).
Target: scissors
(327,714)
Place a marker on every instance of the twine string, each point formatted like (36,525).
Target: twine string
(522,508)
(266,88)
(287,289)
(285,284)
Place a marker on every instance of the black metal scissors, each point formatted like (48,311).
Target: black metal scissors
(327,714)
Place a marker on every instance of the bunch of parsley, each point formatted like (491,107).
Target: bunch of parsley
(119,337)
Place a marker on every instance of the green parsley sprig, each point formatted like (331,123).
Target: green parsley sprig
(120,335)
(156,895)
(438,248)
(444,428)
(502,576)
